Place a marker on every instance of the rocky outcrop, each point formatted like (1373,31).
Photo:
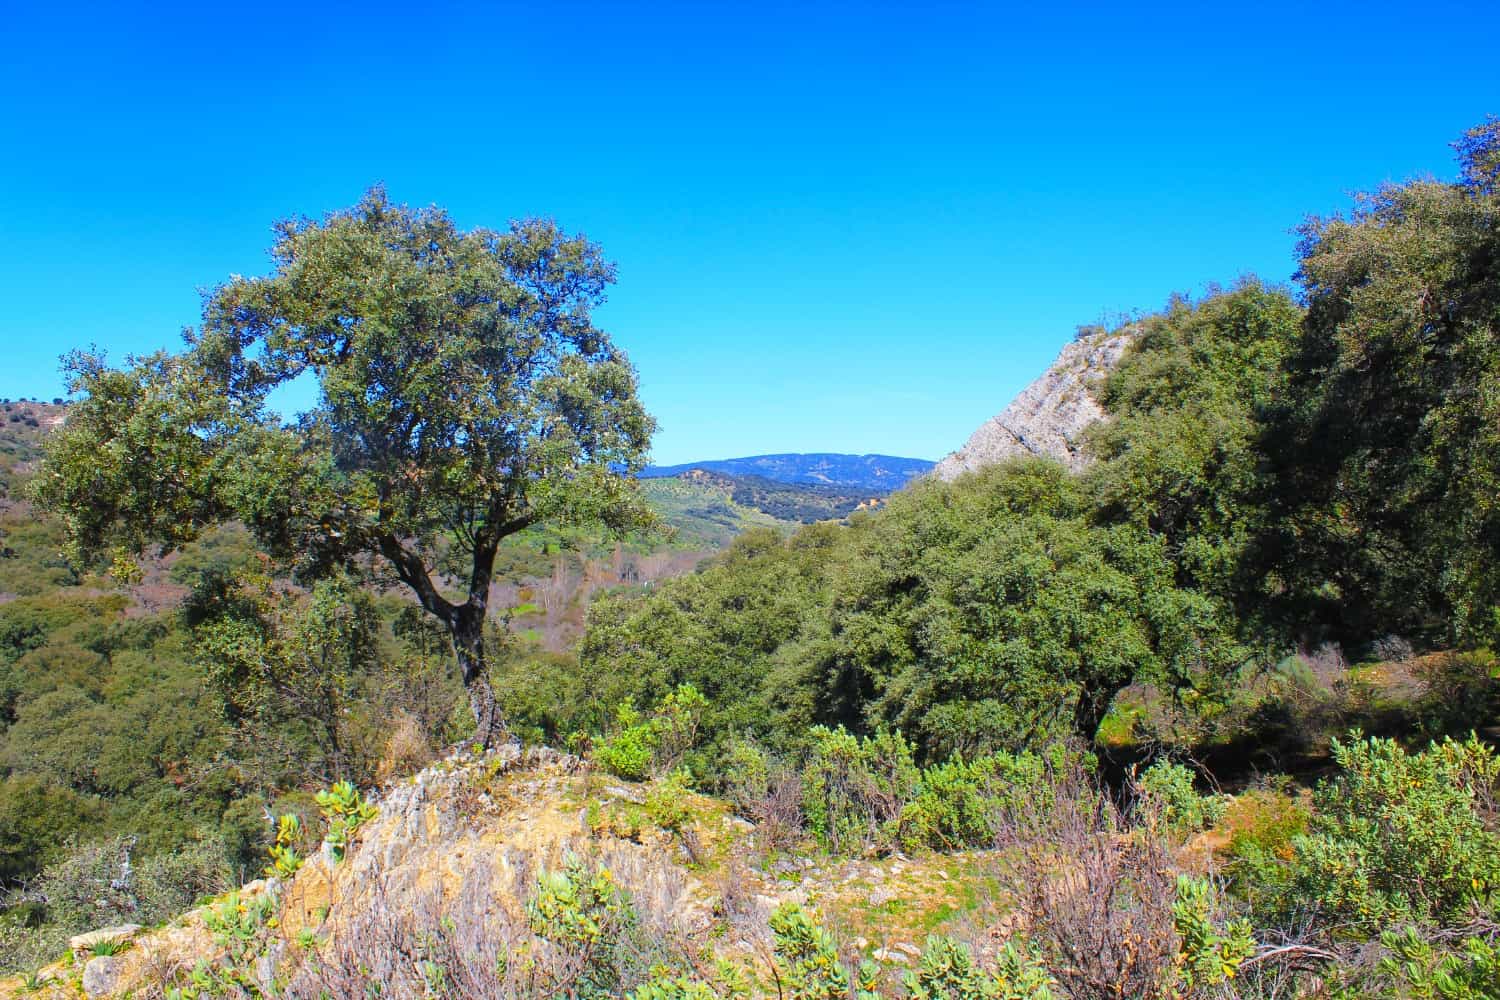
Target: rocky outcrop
(1049,416)
(442,878)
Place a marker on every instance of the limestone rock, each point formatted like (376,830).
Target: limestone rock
(101,975)
(82,945)
(1049,416)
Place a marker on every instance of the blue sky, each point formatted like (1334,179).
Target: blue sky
(838,228)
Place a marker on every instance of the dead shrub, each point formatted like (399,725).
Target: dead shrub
(1093,893)
(407,750)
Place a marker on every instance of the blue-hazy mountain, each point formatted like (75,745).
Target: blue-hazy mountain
(872,473)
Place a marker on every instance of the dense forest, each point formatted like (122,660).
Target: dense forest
(1262,618)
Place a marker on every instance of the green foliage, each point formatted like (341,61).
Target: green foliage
(674,988)
(346,811)
(806,957)
(1182,454)
(1208,953)
(109,946)
(1398,836)
(958,802)
(284,857)
(1386,447)
(947,971)
(1415,970)
(629,752)
(1019,974)
(667,803)
(105,882)
(640,747)
(241,929)
(1168,789)
(853,787)
(730,983)
(586,914)
(984,614)
(36,820)
(748,767)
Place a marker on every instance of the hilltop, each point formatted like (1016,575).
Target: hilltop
(1047,418)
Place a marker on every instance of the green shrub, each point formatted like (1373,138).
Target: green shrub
(24,948)
(667,803)
(807,960)
(947,972)
(958,802)
(284,857)
(748,768)
(1208,954)
(102,883)
(1459,691)
(1415,970)
(1261,824)
(1398,836)
(242,929)
(37,820)
(629,752)
(731,983)
(640,747)
(346,811)
(674,988)
(1166,789)
(677,720)
(853,788)
(584,914)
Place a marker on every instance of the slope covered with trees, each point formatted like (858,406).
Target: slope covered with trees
(1026,678)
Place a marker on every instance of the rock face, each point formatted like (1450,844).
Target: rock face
(1049,416)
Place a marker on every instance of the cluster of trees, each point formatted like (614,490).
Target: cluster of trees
(1279,470)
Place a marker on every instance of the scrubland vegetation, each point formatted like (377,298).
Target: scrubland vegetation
(1213,717)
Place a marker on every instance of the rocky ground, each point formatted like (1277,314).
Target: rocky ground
(465,840)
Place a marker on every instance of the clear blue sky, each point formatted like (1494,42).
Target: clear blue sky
(838,228)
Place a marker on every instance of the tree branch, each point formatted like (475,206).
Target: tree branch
(413,572)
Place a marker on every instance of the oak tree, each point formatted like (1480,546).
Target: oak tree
(463,394)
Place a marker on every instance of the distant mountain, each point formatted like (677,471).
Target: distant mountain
(873,474)
(1049,416)
(782,503)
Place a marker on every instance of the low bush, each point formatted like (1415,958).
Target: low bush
(629,751)
(1416,969)
(767,790)
(1166,790)
(102,883)
(947,971)
(808,963)
(958,803)
(641,747)
(583,913)
(854,788)
(346,811)
(1398,836)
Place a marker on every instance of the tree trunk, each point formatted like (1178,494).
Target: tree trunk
(1090,711)
(465,621)
(467,629)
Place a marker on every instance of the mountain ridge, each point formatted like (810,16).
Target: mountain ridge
(870,473)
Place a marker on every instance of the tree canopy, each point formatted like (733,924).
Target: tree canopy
(463,394)
(1386,445)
